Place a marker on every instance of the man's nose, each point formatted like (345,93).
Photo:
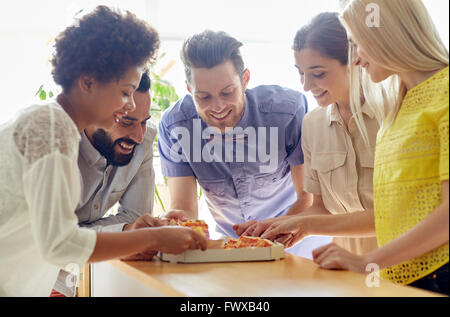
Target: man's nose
(218,105)
(137,134)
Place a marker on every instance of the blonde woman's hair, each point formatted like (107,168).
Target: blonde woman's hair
(405,40)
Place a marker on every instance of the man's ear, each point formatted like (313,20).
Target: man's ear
(86,83)
(246,77)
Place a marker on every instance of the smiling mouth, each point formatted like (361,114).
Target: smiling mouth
(221,117)
(118,116)
(125,147)
(321,95)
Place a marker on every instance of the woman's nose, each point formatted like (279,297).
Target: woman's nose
(130,106)
(306,84)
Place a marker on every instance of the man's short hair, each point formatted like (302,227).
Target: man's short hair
(145,83)
(209,49)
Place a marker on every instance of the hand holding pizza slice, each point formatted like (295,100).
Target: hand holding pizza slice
(197,225)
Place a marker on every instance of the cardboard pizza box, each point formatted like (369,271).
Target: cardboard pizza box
(215,253)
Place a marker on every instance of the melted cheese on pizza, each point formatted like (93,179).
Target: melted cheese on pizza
(247,242)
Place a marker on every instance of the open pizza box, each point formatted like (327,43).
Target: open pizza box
(216,253)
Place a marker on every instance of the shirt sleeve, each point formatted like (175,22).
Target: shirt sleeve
(311,180)
(49,144)
(106,225)
(294,133)
(52,191)
(174,162)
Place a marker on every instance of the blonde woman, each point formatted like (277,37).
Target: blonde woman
(338,166)
(411,159)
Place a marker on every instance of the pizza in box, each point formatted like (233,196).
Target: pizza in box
(201,227)
(243,249)
(247,242)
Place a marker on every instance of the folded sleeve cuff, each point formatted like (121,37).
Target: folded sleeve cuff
(113,228)
(170,169)
(81,246)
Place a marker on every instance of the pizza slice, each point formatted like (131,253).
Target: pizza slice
(197,225)
(247,242)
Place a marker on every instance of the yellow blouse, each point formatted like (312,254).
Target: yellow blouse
(411,161)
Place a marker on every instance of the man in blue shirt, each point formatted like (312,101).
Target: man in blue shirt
(241,145)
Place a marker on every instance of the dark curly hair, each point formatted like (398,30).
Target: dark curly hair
(103,44)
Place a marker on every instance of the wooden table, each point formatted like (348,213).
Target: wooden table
(292,276)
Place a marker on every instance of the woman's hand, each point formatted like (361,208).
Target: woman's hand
(289,230)
(254,228)
(177,239)
(331,256)
(144,221)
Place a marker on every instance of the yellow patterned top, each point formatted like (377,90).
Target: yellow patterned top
(411,161)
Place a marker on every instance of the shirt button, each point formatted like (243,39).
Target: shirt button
(95,206)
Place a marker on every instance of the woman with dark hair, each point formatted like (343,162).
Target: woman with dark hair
(338,158)
(98,63)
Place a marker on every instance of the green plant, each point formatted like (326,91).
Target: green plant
(42,94)
(159,198)
(163,95)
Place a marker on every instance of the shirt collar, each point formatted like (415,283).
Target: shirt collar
(89,152)
(243,123)
(334,115)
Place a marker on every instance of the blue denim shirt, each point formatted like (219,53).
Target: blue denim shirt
(238,187)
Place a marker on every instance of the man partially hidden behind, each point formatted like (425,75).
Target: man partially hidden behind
(117,166)
(241,145)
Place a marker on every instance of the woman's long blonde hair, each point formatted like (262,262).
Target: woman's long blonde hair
(405,40)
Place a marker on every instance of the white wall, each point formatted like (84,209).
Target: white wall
(266,27)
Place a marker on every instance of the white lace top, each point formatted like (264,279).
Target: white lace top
(39,191)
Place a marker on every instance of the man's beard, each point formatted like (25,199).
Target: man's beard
(105,145)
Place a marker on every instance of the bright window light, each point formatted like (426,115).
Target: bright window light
(266,28)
